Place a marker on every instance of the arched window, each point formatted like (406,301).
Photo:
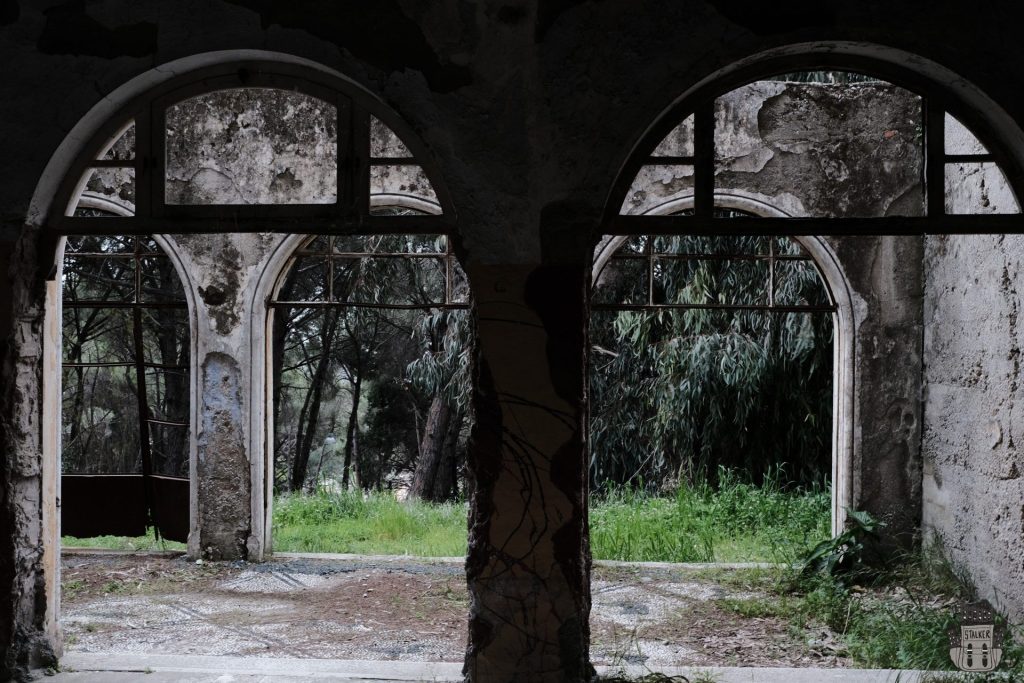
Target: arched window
(260,145)
(370,359)
(828,145)
(775,151)
(260,148)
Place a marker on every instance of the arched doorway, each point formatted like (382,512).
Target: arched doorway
(204,152)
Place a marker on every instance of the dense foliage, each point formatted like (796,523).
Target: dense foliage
(371,390)
(123,305)
(686,391)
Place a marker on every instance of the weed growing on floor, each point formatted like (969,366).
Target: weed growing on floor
(893,616)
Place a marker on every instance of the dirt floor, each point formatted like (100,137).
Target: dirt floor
(406,610)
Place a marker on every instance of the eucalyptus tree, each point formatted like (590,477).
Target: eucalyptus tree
(724,384)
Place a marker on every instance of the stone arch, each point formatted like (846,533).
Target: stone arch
(56,195)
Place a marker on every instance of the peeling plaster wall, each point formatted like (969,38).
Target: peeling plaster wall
(808,149)
(973,488)
(224,271)
(252,146)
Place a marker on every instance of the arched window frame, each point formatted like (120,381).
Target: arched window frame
(700,102)
(937,101)
(349,214)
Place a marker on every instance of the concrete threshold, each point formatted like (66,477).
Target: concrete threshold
(117,668)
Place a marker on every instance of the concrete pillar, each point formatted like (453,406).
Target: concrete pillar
(885,273)
(227,475)
(528,567)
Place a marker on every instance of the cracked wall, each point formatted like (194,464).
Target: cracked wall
(973,489)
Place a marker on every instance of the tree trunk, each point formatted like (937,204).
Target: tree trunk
(432,450)
(446,482)
(352,433)
(309,416)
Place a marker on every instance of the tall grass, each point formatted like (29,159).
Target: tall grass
(735,521)
(372,524)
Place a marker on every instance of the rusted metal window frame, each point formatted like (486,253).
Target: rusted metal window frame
(447,256)
(650,257)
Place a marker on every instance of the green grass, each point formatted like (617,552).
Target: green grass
(376,524)
(132,544)
(737,522)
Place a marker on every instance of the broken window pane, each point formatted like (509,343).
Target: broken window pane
(724,282)
(710,245)
(101,421)
(390,281)
(95,278)
(166,336)
(251,146)
(385,143)
(622,281)
(167,394)
(679,142)
(655,186)
(844,149)
(306,281)
(975,188)
(111,190)
(797,283)
(394,244)
(960,140)
(159,281)
(97,335)
(460,283)
(99,244)
(169,449)
(392,182)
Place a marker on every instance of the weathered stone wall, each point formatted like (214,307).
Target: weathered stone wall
(973,488)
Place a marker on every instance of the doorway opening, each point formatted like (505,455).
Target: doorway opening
(370,357)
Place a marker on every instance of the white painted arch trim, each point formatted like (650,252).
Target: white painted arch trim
(843,362)
(261,416)
(52,417)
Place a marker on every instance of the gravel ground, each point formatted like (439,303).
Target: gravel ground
(412,610)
